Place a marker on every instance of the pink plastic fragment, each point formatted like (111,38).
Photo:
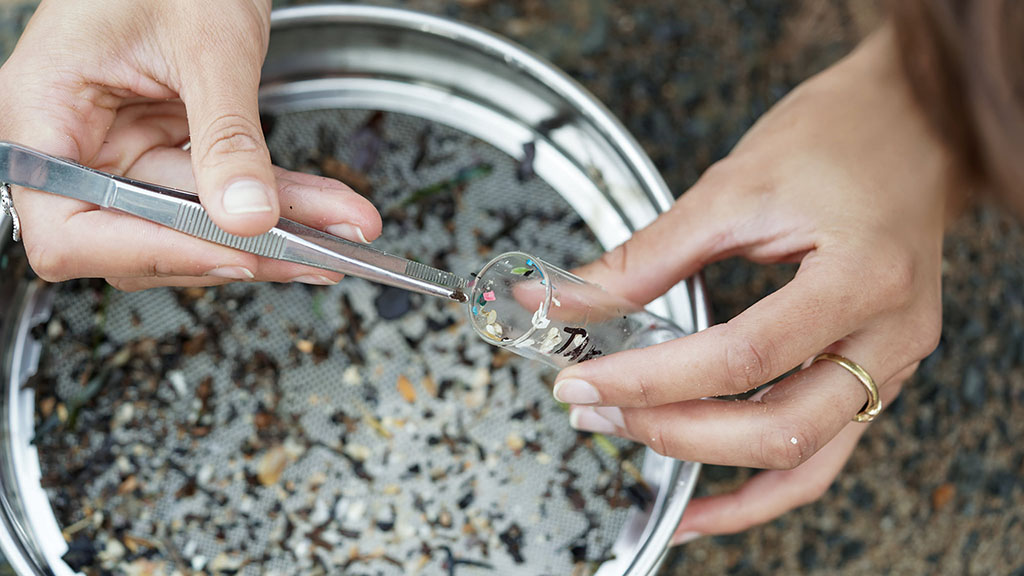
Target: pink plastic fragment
(489,296)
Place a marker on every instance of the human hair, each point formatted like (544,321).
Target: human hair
(965,63)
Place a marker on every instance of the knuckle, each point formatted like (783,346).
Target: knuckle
(748,363)
(655,437)
(643,391)
(896,283)
(786,447)
(616,261)
(230,134)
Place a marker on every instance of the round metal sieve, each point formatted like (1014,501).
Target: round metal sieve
(352,428)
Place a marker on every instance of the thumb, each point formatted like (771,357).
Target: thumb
(233,172)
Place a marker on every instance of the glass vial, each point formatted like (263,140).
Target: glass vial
(539,311)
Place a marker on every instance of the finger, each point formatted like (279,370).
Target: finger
(768,494)
(111,244)
(822,304)
(156,251)
(641,268)
(140,128)
(780,429)
(135,284)
(316,201)
(153,251)
(145,283)
(46,116)
(232,165)
(772,493)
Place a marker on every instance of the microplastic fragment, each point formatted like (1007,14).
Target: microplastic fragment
(520,270)
(489,296)
(540,320)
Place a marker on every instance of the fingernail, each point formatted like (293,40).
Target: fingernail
(246,197)
(575,391)
(612,414)
(348,232)
(686,537)
(314,279)
(588,420)
(232,272)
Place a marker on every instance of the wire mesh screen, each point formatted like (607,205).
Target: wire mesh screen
(357,429)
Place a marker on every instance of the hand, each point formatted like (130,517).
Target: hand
(844,177)
(121,85)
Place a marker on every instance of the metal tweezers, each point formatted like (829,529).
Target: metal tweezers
(180,210)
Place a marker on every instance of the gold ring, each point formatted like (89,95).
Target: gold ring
(874,404)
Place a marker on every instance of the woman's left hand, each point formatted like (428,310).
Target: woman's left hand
(843,176)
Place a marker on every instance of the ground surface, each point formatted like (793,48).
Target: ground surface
(935,486)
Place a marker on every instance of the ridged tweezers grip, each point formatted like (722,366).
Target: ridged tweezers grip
(433,275)
(193,220)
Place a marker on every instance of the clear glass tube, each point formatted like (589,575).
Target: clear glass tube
(539,311)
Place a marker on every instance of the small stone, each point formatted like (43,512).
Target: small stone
(350,377)
(54,329)
(942,495)
(128,485)
(205,474)
(271,467)
(321,513)
(177,380)
(358,452)
(46,406)
(112,552)
(124,414)
(481,378)
(224,563)
(190,548)
(475,398)
(305,346)
(142,567)
(393,303)
(974,387)
(444,518)
(515,443)
(355,512)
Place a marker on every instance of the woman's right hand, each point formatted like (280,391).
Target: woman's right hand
(120,86)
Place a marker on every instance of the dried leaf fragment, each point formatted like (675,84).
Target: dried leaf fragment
(429,385)
(405,388)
